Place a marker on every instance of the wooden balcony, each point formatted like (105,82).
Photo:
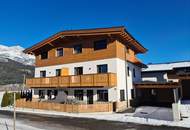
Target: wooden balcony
(86,80)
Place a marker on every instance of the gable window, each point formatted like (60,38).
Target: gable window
(43,73)
(128,71)
(59,52)
(134,73)
(58,72)
(122,95)
(102,95)
(44,55)
(101,44)
(102,68)
(77,49)
(78,94)
(78,70)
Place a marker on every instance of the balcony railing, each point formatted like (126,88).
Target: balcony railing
(86,80)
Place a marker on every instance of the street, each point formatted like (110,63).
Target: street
(69,123)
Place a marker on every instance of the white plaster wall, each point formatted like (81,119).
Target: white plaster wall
(121,77)
(115,65)
(89,67)
(131,79)
(156,77)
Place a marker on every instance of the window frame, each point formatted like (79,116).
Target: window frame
(56,74)
(44,58)
(128,71)
(75,47)
(57,54)
(44,74)
(101,65)
(101,45)
(134,73)
(102,96)
(79,95)
(122,95)
(78,71)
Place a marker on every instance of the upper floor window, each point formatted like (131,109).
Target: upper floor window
(77,49)
(134,73)
(44,55)
(43,73)
(58,72)
(102,68)
(128,71)
(78,70)
(101,44)
(59,52)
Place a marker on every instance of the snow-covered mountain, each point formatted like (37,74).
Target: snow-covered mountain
(15,53)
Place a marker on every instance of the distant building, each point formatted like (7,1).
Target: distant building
(163,84)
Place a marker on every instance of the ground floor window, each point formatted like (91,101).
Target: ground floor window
(122,95)
(41,94)
(102,95)
(78,94)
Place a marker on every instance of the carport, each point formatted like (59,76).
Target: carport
(157,94)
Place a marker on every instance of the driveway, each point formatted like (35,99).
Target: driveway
(160,113)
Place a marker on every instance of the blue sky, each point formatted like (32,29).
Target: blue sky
(162,26)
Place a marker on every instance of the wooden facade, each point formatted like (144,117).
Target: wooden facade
(117,42)
(74,108)
(86,80)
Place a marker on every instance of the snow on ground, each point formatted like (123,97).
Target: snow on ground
(121,117)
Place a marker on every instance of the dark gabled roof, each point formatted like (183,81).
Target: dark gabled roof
(120,31)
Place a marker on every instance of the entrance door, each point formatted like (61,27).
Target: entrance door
(90,96)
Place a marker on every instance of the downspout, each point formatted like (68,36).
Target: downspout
(125,52)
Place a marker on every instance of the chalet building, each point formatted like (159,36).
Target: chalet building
(165,83)
(87,66)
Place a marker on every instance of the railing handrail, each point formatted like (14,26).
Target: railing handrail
(94,75)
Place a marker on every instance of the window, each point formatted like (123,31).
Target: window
(77,49)
(102,95)
(134,73)
(44,55)
(78,70)
(102,68)
(42,73)
(41,94)
(128,71)
(101,44)
(60,52)
(122,95)
(78,94)
(58,72)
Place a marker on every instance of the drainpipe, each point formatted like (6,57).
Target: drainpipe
(127,97)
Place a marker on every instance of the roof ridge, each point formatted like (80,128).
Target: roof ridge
(169,62)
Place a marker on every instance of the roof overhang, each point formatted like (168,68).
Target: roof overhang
(118,31)
(156,85)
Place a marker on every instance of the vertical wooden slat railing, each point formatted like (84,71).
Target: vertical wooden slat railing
(104,79)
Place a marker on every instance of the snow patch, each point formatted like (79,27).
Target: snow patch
(15,53)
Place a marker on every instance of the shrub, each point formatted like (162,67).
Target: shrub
(8,99)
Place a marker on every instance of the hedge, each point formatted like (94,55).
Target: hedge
(8,99)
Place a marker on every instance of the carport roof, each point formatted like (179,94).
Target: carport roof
(153,85)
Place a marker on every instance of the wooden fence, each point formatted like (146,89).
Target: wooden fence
(73,108)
